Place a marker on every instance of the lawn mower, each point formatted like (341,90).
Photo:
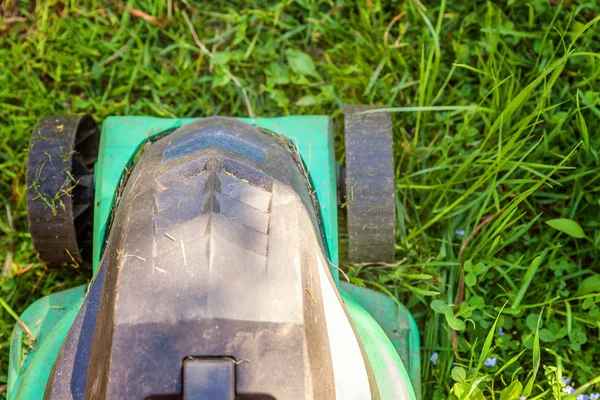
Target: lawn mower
(214,249)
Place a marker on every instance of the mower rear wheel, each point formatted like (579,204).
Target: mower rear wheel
(60,189)
(369,185)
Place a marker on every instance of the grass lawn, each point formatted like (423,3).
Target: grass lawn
(496,150)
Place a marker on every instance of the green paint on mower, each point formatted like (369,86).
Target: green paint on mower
(387,332)
(123,137)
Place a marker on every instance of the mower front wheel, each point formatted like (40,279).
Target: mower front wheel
(60,189)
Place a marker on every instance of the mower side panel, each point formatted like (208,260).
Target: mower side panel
(397,323)
(48,321)
(124,137)
(390,373)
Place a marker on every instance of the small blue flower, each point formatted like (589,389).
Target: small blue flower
(460,232)
(434,357)
(583,397)
(566,381)
(490,362)
(594,396)
(568,389)
(522,398)
(500,332)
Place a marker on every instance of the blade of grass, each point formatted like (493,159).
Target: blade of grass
(527,279)
(536,359)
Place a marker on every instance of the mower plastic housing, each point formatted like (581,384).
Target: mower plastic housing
(222,201)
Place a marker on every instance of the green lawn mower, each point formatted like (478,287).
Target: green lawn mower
(214,249)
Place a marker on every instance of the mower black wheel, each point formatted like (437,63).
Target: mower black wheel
(369,185)
(60,189)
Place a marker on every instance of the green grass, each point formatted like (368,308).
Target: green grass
(497,107)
